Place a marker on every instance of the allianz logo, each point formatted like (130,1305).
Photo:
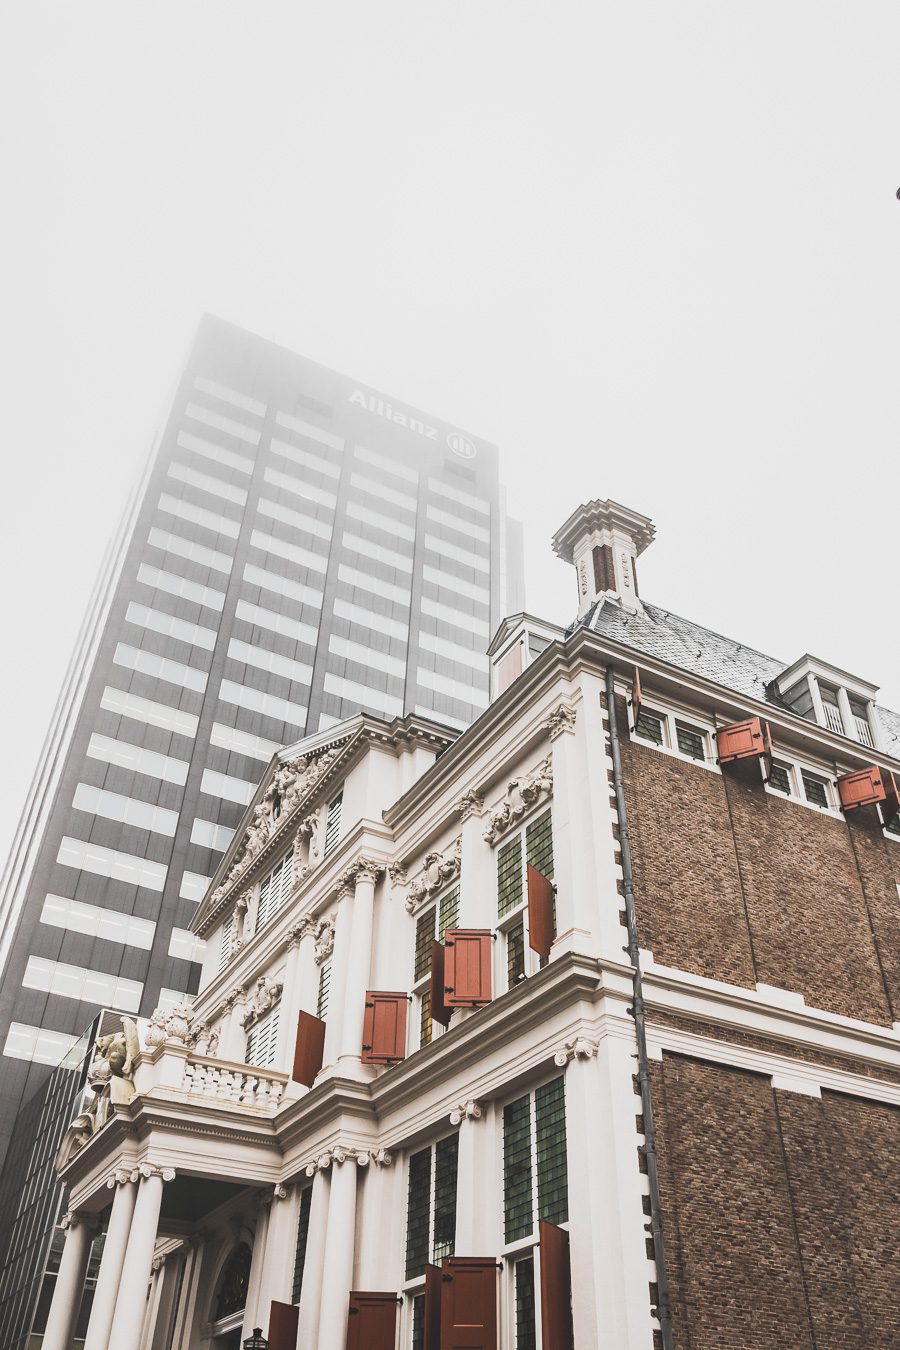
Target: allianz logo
(458,443)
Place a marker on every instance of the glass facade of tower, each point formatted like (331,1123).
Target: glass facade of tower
(303,548)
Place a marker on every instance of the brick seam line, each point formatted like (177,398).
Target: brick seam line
(793,1209)
(875,943)
(737,859)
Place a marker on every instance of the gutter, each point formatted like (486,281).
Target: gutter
(664,1308)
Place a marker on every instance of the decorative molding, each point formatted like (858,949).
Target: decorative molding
(397,874)
(471,803)
(204,1040)
(437,870)
(76,1218)
(158,1262)
(339,1154)
(579,1048)
(236,995)
(324,936)
(469,1110)
(146,1170)
(169,1024)
(362,869)
(522,793)
(120,1177)
(306,928)
(263,998)
(562,719)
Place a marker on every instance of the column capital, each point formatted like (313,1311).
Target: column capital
(468,1110)
(120,1177)
(581,1047)
(341,1154)
(76,1218)
(306,928)
(145,1170)
(562,719)
(362,869)
(324,936)
(471,803)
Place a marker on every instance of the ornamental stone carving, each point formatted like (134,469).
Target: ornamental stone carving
(265,995)
(121,1177)
(204,1040)
(560,720)
(110,1077)
(306,927)
(145,1170)
(76,1218)
(339,1154)
(235,996)
(522,793)
(471,803)
(579,1048)
(470,1110)
(324,935)
(397,874)
(361,869)
(438,869)
(170,1024)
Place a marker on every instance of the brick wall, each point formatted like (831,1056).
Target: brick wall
(734,883)
(780,1213)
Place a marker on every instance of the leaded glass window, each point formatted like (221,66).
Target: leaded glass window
(509,877)
(650,727)
(815,790)
(324,989)
(512,860)
(535,1176)
(302,1239)
(780,779)
(526,1328)
(691,742)
(432,923)
(431,1205)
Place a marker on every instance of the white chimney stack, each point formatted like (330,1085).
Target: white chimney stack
(604,540)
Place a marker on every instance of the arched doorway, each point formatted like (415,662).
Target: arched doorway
(229,1300)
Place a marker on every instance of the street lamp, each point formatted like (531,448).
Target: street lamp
(257,1341)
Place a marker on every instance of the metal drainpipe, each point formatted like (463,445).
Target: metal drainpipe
(664,1308)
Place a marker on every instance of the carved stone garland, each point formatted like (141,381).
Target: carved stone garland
(437,870)
(522,794)
(263,998)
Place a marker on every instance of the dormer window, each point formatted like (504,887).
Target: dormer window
(518,641)
(824,694)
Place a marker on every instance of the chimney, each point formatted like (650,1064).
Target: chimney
(604,540)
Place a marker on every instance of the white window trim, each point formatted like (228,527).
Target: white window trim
(502,926)
(421,986)
(669,715)
(797,767)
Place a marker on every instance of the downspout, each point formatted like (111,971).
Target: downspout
(664,1307)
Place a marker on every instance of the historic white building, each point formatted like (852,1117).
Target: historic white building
(408,1107)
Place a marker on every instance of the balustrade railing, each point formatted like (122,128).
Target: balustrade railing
(221,1081)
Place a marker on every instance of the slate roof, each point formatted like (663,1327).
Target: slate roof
(685,644)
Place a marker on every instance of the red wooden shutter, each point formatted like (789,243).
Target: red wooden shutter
(309,1048)
(768,752)
(372,1322)
(741,740)
(863,788)
(556,1288)
(384,1028)
(469,1303)
(636,697)
(283,1326)
(432,1318)
(439,1010)
(540,912)
(467,967)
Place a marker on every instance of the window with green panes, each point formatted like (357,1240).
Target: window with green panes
(534,845)
(431,1205)
(431,924)
(534,1187)
(324,989)
(302,1239)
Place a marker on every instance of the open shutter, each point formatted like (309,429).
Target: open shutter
(540,912)
(636,697)
(439,1010)
(283,1326)
(384,1028)
(432,1329)
(864,788)
(741,740)
(556,1288)
(768,755)
(468,955)
(309,1048)
(372,1322)
(468,1303)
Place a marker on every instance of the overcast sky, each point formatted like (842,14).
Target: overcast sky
(651,249)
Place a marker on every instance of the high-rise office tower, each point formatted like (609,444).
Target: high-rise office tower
(301,548)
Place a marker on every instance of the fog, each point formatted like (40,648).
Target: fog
(649,249)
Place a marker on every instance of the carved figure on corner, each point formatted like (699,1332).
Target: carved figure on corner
(111,1079)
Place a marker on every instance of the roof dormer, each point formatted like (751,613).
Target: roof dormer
(825,694)
(604,540)
(520,639)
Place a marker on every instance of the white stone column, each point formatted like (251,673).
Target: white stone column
(281,1245)
(232,1038)
(311,1290)
(340,960)
(257,1262)
(191,1287)
(380,1223)
(299,992)
(69,1280)
(360,959)
(151,1307)
(340,1241)
(477,877)
(136,1271)
(112,1261)
(473,1179)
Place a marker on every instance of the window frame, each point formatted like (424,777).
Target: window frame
(797,770)
(671,720)
(414,1286)
(504,926)
(422,985)
(270,1022)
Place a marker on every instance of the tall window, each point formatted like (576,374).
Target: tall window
(535,1186)
(333,823)
(431,924)
(275,889)
(532,845)
(262,1041)
(324,989)
(302,1239)
(431,1206)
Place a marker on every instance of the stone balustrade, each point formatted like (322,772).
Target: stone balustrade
(222,1081)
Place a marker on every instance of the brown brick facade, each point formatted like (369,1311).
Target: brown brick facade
(780,1213)
(734,883)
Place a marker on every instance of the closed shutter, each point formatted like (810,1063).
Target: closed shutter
(274,889)
(540,912)
(309,1048)
(556,1288)
(468,955)
(468,1303)
(384,1028)
(283,1319)
(262,1041)
(741,740)
(431,1338)
(866,787)
(372,1322)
